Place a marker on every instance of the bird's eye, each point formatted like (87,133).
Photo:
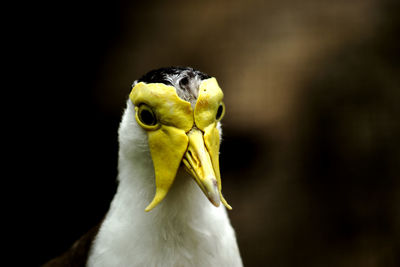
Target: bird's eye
(220,112)
(146,116)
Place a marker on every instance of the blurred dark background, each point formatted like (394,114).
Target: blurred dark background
(311,152)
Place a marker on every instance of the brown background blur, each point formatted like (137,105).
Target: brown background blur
(311,151)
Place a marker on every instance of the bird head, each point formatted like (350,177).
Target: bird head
(180,109)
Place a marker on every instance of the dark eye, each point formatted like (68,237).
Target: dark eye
(220,112)
(147,116)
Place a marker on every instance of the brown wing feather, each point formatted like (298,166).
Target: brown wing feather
(78,254)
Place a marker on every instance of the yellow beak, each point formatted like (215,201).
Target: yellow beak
(199,164)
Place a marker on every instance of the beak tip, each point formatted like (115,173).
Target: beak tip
(213,195)
(215,202)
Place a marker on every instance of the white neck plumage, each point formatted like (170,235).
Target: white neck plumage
(185,229)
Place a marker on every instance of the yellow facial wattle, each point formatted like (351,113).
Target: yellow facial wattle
(181,135)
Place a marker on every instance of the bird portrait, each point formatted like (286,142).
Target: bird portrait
(132,128)
(169,209)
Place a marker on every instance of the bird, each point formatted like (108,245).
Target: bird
(168,209)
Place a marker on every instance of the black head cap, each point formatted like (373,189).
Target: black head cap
(186,80)
(164,75)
